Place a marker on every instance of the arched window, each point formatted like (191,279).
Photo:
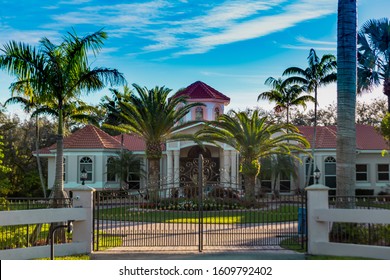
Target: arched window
(199,114)
(86,164)
(217,112)
(330,172)
(111,172)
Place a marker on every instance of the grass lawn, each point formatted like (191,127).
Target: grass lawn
(282,214)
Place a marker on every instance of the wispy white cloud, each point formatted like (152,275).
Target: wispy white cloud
(26,36)
(260,26)
(186,28)
(305,44)
(315,42)
(74,2)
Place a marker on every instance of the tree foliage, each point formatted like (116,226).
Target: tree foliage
(18,143)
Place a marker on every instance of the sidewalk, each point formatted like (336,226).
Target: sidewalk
(122,253)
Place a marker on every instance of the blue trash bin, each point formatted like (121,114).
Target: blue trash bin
(302,221)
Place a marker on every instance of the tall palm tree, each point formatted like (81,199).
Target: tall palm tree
(284,95)
(374,56)
(254,137)
(346,97)
(154,117)
(320,72)
(59,74)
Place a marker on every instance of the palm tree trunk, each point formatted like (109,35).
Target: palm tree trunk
(346,97)
(313,144)
(38,157)
(58,192)
(250,183)
(153,177)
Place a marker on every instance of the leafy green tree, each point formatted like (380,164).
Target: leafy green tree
(254,137)
(111,108)
(374,56)
(5,186)
(368,113)
(59,74)
(285,96)
(346,97)
(154,117)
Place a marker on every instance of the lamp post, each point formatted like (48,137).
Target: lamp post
(317,174)
(83,176)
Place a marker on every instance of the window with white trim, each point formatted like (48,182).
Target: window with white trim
(330,172)
(217,112)
(383,172)
(285,183)
(86,163)
(361,172)
(199,113)
(111,172)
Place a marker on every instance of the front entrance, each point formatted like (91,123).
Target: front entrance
(199,214)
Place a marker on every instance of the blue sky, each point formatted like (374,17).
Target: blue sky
(232,45)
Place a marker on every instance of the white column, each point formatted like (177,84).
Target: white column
(176,168)
(83,230)
(169,168)
(317,198)
(233,166)
(226,168)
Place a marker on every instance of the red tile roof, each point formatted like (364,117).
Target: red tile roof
(367,137)
(134,142)
(200,90)
(89,137)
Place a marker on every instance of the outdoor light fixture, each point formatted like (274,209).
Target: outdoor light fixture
(83,176)
(317,174)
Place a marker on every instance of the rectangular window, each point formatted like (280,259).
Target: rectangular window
(265,182)
(285,183)
(64,174)
(383,172)
(111,169)
(361,172)
(134,176)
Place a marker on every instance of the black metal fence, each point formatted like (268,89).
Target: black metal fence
(361,233)
(186,217)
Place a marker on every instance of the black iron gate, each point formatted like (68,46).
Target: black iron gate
(197,214)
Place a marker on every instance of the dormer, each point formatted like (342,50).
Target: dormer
(214,101)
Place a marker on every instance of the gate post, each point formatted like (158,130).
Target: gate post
(83,230)
(200,201)
(317,198)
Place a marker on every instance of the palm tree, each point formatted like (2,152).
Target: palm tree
(59,74)
(346,97)
(374,56)
(320,72)
(154,117)
(254,137)
(285,96)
